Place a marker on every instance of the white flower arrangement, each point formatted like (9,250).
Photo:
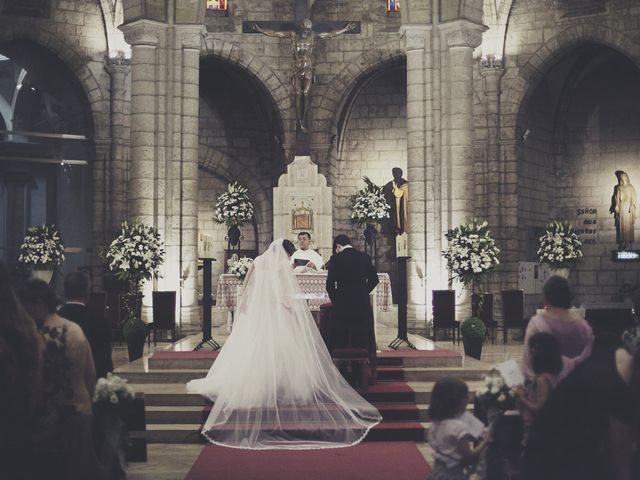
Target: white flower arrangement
(233,207)
(136,254)
(42,247)
(559,246)
(369,204)
(239,267)
(471,252)
(495,389)
(112,390)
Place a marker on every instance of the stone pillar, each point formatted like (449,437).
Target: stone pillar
(144,36)
(189,81)
(492,73)
(415,37)
(462,37)
(118,69)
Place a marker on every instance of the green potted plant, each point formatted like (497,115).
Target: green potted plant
(134,331)
(473,331)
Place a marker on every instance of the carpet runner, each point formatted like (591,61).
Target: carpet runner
(366,461)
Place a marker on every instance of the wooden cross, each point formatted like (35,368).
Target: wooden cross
(301,33)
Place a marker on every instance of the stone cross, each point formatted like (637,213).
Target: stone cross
(302,33)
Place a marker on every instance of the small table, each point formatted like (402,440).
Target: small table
(313,286)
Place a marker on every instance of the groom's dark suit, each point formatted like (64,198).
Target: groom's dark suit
(351,278)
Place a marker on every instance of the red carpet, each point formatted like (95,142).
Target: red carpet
(366,461)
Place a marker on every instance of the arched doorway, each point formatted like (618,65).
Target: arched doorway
(580,123)
(46,150)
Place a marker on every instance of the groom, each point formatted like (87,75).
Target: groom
(351,278)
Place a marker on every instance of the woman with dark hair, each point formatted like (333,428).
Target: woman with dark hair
(20,380)
(68,379)
(573,334)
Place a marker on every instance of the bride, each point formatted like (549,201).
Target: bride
(274,384)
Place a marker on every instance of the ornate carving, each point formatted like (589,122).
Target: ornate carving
(143,32)
(118,59)
(302,218)
(414,37)
(464,37)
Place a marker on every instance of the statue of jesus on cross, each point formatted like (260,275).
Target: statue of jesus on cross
(302,40)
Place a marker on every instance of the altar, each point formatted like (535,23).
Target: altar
(313,286)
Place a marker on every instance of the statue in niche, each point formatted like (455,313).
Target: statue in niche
(397,195)
(302,40)
(623,208)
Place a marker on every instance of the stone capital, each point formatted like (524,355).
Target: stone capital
(414,36)
(143,32)
(190,36)
(463,33)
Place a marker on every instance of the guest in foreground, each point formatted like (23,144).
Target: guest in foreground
(274,385)
(77,289)
(453,431)
(305,253)
(351,279)
(589,429)
(546,363)
(573,334)
(69,379)
(21,401)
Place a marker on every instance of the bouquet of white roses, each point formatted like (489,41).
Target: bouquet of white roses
(136,254)
(233,207)
(369,204)
(495,393)
(42,246)
(112,390)
(239,267)
(472,252)
(559,246)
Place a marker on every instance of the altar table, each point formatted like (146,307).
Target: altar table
(313,286)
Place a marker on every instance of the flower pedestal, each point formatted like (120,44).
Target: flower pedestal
(370,235)
(233,237)
(44,274)
(560,272)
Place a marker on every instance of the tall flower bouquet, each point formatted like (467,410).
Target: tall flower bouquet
(233,207)
(559,246)
(239,267)
(42,247)
(136,254)
(471,253)
(369,205)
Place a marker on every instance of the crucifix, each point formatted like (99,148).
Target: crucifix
(302,33)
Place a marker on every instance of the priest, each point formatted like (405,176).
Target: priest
(305,256)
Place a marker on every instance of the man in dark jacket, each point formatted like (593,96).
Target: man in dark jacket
(351,278)
(77,289)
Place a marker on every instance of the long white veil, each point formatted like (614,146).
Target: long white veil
(274,384)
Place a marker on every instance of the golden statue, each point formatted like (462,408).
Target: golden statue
(623,207)
(397,194)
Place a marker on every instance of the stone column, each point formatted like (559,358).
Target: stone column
(415,37)
(190,37)
(144,36)
(462,37)
(118,69)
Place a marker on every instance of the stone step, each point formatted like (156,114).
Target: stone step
(401,358)
(385,431)
(410,374)
(175,394)
(197,414)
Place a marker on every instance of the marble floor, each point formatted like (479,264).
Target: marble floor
(173,461)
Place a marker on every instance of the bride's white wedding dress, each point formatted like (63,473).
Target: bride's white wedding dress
(274,384)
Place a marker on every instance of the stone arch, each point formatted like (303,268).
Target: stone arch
(523,81)
(277,89)
(95,93)
(226,166)
(341,92)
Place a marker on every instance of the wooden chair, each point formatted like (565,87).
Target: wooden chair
(444,313)
(164,315)
(486,314)
(512,312)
